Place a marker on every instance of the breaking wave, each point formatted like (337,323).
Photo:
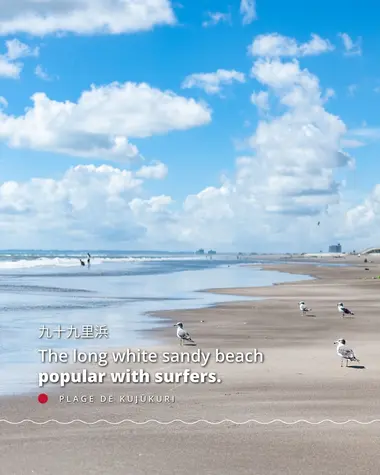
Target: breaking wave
(11,262)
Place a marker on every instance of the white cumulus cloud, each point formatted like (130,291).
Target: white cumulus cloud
(276,45)
(15,50)
(156,171)
(8,69)
(260,100)
(155,204)
(296,153)
(86,203)
(85,17)
(212,82)
(102,121)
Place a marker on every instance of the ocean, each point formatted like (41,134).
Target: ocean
(118,292)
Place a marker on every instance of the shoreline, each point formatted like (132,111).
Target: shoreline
(248,294)
(158,323)
(256,294)
(308,269)
(169,315)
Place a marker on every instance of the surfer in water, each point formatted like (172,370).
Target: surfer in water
(88,259)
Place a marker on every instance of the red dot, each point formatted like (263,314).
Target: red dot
(43,398)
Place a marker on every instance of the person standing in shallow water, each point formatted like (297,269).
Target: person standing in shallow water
(88,259)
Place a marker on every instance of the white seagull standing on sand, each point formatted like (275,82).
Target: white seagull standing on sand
(303,308)
(344,352)
(182,334)
(343,310)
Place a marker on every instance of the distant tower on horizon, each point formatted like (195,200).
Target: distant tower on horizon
(336,248)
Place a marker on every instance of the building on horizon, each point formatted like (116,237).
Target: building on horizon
(335,248)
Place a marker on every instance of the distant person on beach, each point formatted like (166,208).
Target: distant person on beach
(89,259)
(82,262)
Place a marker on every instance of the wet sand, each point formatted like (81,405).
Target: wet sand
(300,378)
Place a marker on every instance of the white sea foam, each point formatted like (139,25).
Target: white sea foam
(74,261)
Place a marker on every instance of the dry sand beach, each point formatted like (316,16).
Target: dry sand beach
(300,378)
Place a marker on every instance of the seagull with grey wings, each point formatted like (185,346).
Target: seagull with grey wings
(344,352)
(343,310)
(303,308)
(182,334)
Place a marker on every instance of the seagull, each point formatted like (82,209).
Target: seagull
(182,334)
(344,353)
(343,310)
(303,308)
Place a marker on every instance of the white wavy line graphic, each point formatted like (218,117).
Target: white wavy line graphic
(149,421)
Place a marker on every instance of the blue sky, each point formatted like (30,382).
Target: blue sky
(238,213)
